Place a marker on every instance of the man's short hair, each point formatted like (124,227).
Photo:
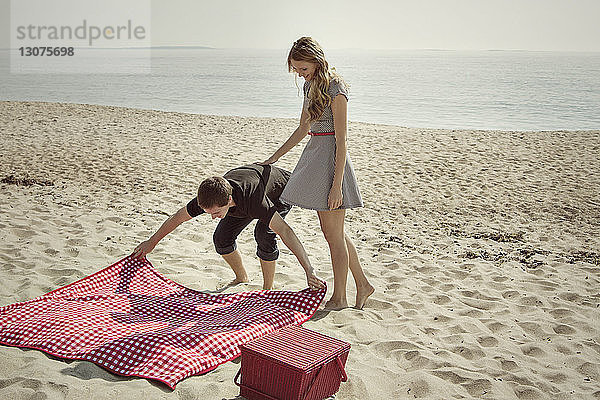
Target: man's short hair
(214,192)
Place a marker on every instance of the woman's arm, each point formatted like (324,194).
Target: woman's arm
(339,108)
(299,134)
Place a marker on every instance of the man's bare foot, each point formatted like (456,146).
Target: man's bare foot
(362,294)
(234,282)
(237,281)
(335,305)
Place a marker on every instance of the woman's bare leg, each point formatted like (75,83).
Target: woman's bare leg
(363,288)
(332,225)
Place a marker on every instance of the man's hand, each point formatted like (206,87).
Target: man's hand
(142,249)
(314,282)
(167,227)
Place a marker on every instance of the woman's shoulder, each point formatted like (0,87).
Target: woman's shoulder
(337,86)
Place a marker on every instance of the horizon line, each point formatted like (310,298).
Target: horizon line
(196,47)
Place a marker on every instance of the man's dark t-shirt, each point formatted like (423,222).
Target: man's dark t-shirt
(256,191)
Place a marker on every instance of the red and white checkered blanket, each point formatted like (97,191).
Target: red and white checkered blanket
(135,322)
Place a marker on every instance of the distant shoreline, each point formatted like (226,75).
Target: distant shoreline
(371,124)
(334,50)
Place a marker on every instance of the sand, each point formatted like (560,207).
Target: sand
(484,247)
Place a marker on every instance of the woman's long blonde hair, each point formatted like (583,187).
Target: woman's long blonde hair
(307,49)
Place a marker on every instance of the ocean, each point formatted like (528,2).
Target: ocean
(499,90)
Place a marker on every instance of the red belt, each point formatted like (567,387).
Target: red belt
(321,133)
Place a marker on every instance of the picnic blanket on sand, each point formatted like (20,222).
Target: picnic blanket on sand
(133,321)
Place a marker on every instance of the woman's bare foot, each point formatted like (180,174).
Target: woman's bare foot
(362,294)
(335,305)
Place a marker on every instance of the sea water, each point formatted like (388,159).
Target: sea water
(505,90)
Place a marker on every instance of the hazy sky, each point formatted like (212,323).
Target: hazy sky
(440,24)
(378,24)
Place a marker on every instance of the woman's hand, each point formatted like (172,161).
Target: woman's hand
(335,198)
(313,281)
(269,161)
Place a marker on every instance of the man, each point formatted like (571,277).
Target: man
(239,197)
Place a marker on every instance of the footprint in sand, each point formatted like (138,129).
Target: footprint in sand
(450,376)
(564,329)
(530,301)
(564,350)
(568,296)
(556,378)
(533,328)
(589,370)
(394,286)
(479,304)
(419,362)
(442,319)
(497,327)
(112,251)
(468,353)
(561,313)
(393,266)
(386,347)
(487,341)
(508,365)
(510,294)
(61,272)
(380,305)
(9,382)
(72,251)
(51,252)
(442,299)
(76,242)
(419,389)
(23,233)
(528,393)
(477,295)
(532,351)
(478,387)
(457,329)
(28,383)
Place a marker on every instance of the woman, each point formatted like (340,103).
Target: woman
(323,179)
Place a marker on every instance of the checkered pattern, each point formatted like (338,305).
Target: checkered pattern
(325,122)
(135,322)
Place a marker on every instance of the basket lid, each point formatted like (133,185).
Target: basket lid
(297,347)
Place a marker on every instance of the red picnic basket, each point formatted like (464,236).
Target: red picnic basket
(292,363)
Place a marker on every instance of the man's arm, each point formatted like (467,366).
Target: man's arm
(167,227)
(285,232)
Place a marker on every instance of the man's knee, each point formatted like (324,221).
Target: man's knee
(224,244)
(267,256)
(266,242)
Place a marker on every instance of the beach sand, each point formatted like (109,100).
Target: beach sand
(484,247)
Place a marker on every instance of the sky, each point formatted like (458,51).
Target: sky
(554,25)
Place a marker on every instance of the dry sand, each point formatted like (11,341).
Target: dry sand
(483,246)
